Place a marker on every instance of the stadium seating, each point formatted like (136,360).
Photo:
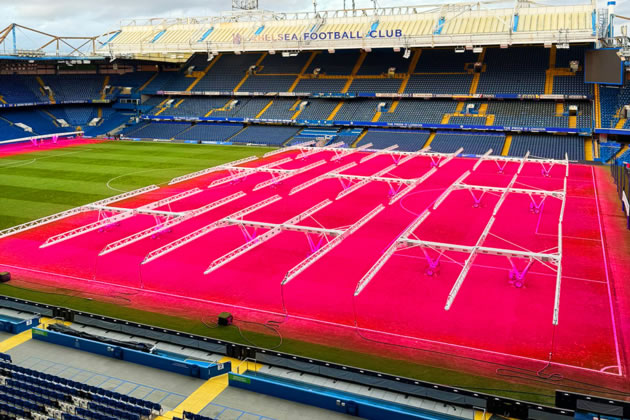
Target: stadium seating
(546,145)
(268,135)
(358,110)
(475,144)
(277,64)
(21,89)
(209,132)
(40,122)
(320,85)
(452,84)
(267,84)
(409,141)
(78,87)
(158,130)
(25,392)
(519,70)
(379,61)
(375,85)
(420,111)
(340,62)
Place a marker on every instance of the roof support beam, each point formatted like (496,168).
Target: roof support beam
(221,261)
(295,271)
(64,214)
(168,224)
(155,254)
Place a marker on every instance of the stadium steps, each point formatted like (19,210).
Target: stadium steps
(376,116)
(301,74)
(412,68)
(148,82)
(506,145)
(203,73)
(445,118)
(52,117)
(105,83)
(598,107)
(162,107)
(559,109)
(393,107)
(572,121)
(483,109)
(51,95)
(244,79)
(429,140)
(490,119)
(297,114)
(355,69)
(178,103)
(621,151)
(620,123)
(262,111)
(334,111)
(218,109)
(474,83)
(363,133)
(460,107)
(236,134)
(588,148)
(549,74)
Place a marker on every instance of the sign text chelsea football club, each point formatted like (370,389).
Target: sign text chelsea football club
(323,36)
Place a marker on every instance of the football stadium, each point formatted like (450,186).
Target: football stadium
(407,212)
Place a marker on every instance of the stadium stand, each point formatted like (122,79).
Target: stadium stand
(545,145)
(272,135)
(209,132)
(518,70)
(409,141)
(475,144)
(26,392)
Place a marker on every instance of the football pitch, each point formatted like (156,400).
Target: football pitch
(38,183)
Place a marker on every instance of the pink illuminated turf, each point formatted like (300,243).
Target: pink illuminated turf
(28,147)
(401,302)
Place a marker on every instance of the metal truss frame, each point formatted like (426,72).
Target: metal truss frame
(275,179)
(286,149)
(178,243)
(274,229)
(210,170)
(303,265)
(379,152)
(348,151)
(118,214)
(552,260)
(168,224)
(74,211)
(309,151)
(317,179)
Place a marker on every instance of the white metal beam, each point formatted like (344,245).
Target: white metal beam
(286,175)
(408,188)
(221,261)
(319,178)
(349,151)
(123,213)
(295,271)
(482,238)
(168,224)
(364,182)
(287,149)
(379,152)
(64,214)
(365,280)
(206,229)
(210,170)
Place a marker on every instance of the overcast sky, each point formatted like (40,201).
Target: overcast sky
(87,18)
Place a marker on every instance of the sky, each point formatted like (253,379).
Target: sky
(87,18)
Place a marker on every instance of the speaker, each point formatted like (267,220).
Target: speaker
(225,318)
(5,276)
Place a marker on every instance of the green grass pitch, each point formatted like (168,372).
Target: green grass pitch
(33,185)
